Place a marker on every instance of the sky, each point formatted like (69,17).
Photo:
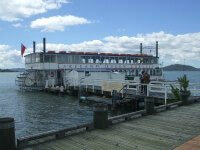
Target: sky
(117,26)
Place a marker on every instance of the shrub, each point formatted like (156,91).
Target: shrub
(183,93)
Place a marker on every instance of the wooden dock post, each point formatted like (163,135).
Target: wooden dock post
(7,134)
(100,116)
(114,98)
(149,105)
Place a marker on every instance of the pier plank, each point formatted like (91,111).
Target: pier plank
(165,130)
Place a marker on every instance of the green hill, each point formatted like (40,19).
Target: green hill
(179,67)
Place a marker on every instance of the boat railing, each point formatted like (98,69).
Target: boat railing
(161,89)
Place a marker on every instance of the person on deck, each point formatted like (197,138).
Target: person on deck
(146,80)
(142,81)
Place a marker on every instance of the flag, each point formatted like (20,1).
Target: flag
(23,48)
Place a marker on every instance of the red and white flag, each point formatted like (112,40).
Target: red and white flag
(23,48)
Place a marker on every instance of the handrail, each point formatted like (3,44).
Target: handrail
(123,88)
(160,86)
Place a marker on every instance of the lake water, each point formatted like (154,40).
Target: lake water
(36,112)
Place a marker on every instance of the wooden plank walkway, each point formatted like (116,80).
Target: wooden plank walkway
(162,131)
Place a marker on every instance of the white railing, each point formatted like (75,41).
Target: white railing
(154,87)
(163,88)
(99,83)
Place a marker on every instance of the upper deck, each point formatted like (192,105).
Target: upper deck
(89,57)
(72,59)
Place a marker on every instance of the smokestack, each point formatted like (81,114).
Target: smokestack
(33,46)
(156,48)
(140,48)
(44,45)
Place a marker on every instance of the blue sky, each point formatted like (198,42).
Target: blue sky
(102,23)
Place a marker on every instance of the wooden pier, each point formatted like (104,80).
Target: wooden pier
(164,130)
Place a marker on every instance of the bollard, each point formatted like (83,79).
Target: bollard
(149,104)
(7,134)
(100,116)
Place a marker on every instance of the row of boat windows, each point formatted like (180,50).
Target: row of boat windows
(151,72)
(137,72)
(74,59)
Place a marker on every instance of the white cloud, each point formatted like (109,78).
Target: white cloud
(10,58)
(172,48)
(17,25)
(57,23)
(14,10)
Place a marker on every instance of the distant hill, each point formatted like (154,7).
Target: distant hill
(18,69)
(179,67)
(6,70)
(13,70)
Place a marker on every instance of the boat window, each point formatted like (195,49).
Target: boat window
(121,60)
(47,58)
(127,61)
(144,60)
(62,59)
(97,61)
(33,58)
(73,60)
(131,61)
(87,73)
(147,60)
(117,60)
(112,60)
(41,58)
(155,60)
(136,72)
(132,72)
(152,61)
(90,60)
(83,60)
(106,60)
(28,59)
(76,59)
(151,72)
(86,59)
(69,59)
(135,60)
(37,58)
(154,72)
(53,58)
(159,72)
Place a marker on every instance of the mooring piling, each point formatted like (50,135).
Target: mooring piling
(100,116)
(149,104)
(7,134)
